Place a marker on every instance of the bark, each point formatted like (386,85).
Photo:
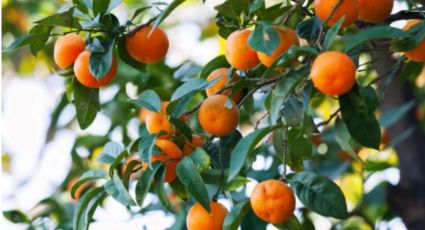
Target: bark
(407,198)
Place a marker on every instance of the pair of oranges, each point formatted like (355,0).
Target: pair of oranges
(143,44)
(272,201)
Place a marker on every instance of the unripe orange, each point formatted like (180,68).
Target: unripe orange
(67,49)
(85,77)
(145,48)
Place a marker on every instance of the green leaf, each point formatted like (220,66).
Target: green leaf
(100,6)
(232,9)
(292,112)
(39,36)
(291,224)
(129,170)
(16,216)
(410,71)
(160,189)
(192,85)
(264,38)
(147,148)
(82,5)
(374,33)
(235,183)
(118,160)
(310,28)
(293,53)
(19,42)
(190,178)
(117,190)
(319,194)
(200,159)
(284,89)
(360,121)
(216,63)
(331,34)
(245,147)
(87,104)
(182,127)
(87,176)
(237,215)
(85,208)
(187,71)
(167,11)
(145,182)
(178,107)
(139,11)
(391,116)
(69,88)
(343,139)
(416,36)
(370,97)
(150,100)
(110,151)
(179,189)
(101,62)
(299,144)
(125,56)
(63,19)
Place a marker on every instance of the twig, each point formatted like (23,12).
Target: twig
(320,37)
(333,115)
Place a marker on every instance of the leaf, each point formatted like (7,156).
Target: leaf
(160,189)
(292,112)
(19,42)
(112,149)
(200,159)
(343,139)
(245,147)
(139,11)
(182,127)
(164,14)
(293,53)
(300,145)
(190,178)
(360,121)
(235,183)
(16,216)
(88,201)
(118,160)
(331,34)
(391,116)
(416,36)
(81,5)
(147,148)
(100,6)
(64,19)
(216,63)
(232,9)
(290,224)
(192,85)
(87,104)
(374,33)
(236,215)
(125,56)
(309,29)
(87,176)
(410,71)
(179,189)
(319,194)
(178,107)
(117,190)
(370,97)
(39,36)
(145,182)
(129,170)
(187,71)
(150,100)
(101,62)
(264,38)
(283,90)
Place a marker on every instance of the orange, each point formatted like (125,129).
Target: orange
(348,8)
(316,140)
(199,219)
(216,118)
(375,11)
(273,201)
(189,147)
(418,53)
(144,113)
(145,48)
(170,157)
(67,49)
(238,53)
(333,73)
(156,122)
(288,38)
(222,74)
(85,77)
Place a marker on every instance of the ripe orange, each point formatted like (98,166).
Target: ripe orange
(348,8)
(375,11)
(144,113)
(145,48)
(273,201)
(85,77)
(156,122)
(417,54)
(197,141)
(333,73)
(238,53)
(216,118)
(67,49)
(170,157)
(222,74)
(288,37)
(199,219)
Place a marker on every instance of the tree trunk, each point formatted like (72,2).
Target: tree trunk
(407,198)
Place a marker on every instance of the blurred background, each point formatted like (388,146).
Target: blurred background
(39,161)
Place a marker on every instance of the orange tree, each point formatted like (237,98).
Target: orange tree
(282,61)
